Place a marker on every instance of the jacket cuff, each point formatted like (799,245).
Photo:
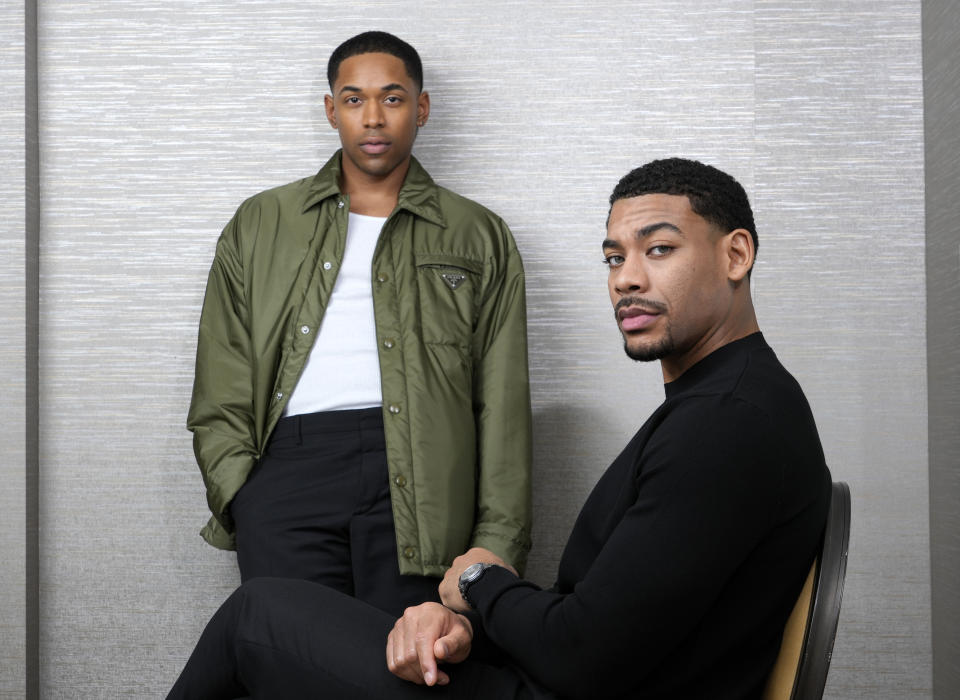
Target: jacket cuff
(216,535)
(512,550)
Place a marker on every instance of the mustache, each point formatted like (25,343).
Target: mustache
(648,304)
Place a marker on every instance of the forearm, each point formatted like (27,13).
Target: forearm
(504,425)
(645,592)
(221,406)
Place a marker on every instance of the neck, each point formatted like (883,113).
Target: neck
(743,322)
(372,195)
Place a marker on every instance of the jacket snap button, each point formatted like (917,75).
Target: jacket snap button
(408,552)
(394,409)
(400,480)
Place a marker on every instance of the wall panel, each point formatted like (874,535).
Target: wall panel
(159,117)
(12,353)
(839,157)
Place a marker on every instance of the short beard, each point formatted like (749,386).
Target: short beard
(649,353)
(652,352)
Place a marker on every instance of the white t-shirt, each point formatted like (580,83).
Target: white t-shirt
(343,370)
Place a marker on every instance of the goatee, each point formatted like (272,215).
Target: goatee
(649,353)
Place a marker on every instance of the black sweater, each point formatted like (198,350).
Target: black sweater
(689,554)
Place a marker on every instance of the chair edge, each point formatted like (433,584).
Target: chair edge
(825,611)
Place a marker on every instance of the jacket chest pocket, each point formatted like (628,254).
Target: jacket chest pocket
(449,288)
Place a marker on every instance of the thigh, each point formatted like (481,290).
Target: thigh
(373,544)
(292,517)
(296,639)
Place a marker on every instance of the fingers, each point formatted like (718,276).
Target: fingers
(423,643)
(397,661)
(410,648)
(454,646)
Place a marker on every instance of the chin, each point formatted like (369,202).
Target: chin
(648,352)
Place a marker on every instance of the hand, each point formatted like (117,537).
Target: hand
(450,588)
(424,635)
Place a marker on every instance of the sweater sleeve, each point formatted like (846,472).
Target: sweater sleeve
(702,503)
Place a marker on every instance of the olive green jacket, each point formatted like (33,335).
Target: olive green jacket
(448,296)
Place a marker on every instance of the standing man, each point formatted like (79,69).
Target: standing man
(361,409)
(685,561)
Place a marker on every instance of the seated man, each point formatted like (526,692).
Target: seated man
(687,557)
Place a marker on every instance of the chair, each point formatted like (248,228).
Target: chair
(800,672)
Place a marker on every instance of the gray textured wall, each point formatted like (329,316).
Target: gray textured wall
(12,353)
(159,117)
(941,28)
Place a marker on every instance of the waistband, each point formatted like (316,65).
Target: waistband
(329,422)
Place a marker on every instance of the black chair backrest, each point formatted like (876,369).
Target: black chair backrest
(811,676)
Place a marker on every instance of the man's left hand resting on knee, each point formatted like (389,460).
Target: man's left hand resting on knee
(423,636)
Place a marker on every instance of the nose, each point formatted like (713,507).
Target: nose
(372,114)
(629,278)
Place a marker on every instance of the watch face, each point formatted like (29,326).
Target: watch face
(472,572)
(469,575)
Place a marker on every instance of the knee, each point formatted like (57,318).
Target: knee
(256,586)
(255,592)
(260,591)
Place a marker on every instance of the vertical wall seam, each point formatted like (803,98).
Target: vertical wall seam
(32,369)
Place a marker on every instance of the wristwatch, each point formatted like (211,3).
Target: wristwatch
(470,576)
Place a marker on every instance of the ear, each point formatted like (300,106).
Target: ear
(423,108)
(738,246)
(328,107)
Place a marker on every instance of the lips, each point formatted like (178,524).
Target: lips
(374,147)
(635,318)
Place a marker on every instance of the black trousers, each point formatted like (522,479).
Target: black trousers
(283,639)
(317,507)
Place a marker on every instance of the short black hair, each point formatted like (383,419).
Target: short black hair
(713,194)
(376,42)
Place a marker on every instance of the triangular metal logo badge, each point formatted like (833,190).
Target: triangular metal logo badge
(453,279)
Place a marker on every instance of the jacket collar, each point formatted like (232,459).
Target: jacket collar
(418,194)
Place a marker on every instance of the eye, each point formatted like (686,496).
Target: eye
(353,100)
(392,100)
(659,251)
(612,260)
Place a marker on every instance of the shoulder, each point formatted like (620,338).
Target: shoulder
(457,203)
(459,211)
(775,395)
(708,446)
(759,430)
(714,420)
(288,197)
(264,214)
(715,429)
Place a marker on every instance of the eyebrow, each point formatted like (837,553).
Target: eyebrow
(650,228)
(390,87)
(646,231)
